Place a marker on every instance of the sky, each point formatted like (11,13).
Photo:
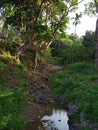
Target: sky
(86,22)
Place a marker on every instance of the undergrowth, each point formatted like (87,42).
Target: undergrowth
(80,82)
(13,82)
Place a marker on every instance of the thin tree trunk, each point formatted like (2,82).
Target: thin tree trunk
(75,40)
(96,38)
(96,46)
(5,31)
(35,64)
(35,59)
(75,29)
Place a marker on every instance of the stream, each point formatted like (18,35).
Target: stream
(52,117)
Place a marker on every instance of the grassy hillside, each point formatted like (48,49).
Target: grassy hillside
(13,83)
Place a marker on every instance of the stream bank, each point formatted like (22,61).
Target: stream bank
(42,102)
(51,117)
(41,93)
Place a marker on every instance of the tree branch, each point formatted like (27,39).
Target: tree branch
(35,22)
(31,45)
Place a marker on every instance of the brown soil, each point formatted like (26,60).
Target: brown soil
(44,72)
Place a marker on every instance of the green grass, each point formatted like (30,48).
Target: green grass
(13,82)
(80,82)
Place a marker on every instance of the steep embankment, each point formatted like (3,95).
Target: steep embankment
(14,81)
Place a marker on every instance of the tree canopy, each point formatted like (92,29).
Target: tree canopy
(38,21)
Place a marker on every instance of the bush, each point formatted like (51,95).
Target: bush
(81,49)
(13,83)
(11,104)
(56,47)
(73,53)
(79,82)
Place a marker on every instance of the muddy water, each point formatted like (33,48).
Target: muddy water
(52,117)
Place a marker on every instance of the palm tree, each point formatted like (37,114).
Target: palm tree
(77,20)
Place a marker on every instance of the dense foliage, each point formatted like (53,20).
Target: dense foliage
(79,82)
(13,83)
(28,28)
(79,49)
(30,18)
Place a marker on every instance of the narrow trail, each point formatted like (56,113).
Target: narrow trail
(43,93)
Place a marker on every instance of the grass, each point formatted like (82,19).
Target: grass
(13,82)
(80,82)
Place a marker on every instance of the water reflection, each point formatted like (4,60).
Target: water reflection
(49,117)
(57,120)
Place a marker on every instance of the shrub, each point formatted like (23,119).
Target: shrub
(79,82)
(11,103)
(13,83)
(73,53)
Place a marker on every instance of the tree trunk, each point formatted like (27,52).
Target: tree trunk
(75,29)
(96,46)
(96,38)
(5,31)
(35,59)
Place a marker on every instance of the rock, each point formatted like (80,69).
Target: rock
(94,126)
(43,100)
(82,116)
(84,123)
(43,94)
(72,124)
(74,127)
(55,128)
(72,109)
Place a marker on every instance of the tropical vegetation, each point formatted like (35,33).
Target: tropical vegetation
(34,32)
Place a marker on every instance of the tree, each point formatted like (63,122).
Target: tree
(92,9)
(96,38)
(88,39)
(88,43)
(77,20)
(56,47)
(38,21)
(75,39)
